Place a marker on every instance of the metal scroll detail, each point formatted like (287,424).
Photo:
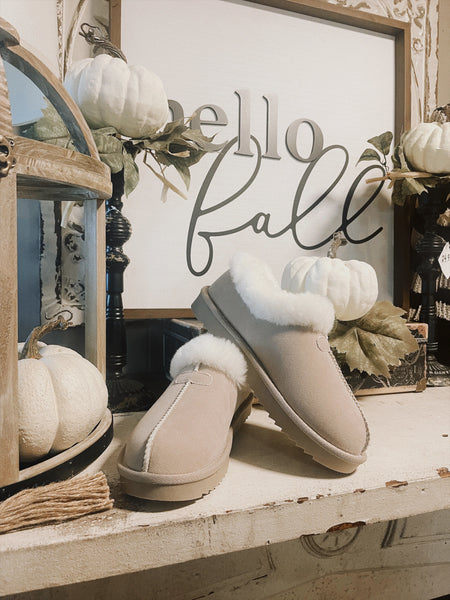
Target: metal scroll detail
(7,160)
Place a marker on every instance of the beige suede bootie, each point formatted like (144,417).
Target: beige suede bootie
(291,368)
(180,449)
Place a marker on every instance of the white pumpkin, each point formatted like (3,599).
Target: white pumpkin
(351,285)
(109,92)
(427,147)
(61,398)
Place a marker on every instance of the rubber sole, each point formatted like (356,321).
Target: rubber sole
(145,485)
(322,451)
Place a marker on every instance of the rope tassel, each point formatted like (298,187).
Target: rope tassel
(56,502)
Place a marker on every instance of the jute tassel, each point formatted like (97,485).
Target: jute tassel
(59,501)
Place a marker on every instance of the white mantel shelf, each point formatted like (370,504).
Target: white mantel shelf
(271,493)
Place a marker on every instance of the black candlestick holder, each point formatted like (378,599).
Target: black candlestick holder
(430,205)
(118,232)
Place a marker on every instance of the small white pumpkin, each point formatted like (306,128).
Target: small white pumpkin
(427,147)
(109,92)
(61,398)
(351,285)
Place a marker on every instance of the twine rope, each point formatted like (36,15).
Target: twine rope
(56,502)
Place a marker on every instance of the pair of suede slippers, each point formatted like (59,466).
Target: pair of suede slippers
(261,340)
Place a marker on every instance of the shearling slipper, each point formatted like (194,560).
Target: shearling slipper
(180,449)
(291,369)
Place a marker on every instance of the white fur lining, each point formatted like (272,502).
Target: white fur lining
(265,299)
(213,352)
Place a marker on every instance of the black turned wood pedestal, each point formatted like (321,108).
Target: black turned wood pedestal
(118,232)
(430,205)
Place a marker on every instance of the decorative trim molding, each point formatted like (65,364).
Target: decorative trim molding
(423,16)
(397,533)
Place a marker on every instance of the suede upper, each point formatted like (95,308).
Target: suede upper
(186,433)
(302,367)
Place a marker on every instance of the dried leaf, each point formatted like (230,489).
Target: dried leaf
(382,142)
(130,173)
(164,180)
(176,144)
(182,169)
(376,341)
(173,126)
(203,142)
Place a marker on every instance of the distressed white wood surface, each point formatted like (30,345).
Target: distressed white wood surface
(272,493)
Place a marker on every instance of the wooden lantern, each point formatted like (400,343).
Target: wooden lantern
(36,170)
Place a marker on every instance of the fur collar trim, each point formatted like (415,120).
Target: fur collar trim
(213,352)
(266,300)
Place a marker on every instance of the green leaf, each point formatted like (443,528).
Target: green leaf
(175,145)
(194,157)
(110,150)
(106,131)
(162,158)
(202,142)
(130,173)
(106,143)
(369,154)
(172,126)
(183,170)
(50,126)
(382,142)
(376,341)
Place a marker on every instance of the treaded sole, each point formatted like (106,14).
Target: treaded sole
(321,451)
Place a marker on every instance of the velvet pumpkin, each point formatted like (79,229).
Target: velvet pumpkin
(109,92)
(61,398)
(351,285)
(427,147)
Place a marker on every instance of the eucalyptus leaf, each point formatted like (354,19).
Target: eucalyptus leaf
(382,142)
(376,341)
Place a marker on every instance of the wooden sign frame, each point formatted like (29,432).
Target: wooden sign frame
(401,33)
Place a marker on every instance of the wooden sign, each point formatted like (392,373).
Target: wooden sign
(293,95)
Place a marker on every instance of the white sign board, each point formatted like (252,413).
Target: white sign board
(296,99)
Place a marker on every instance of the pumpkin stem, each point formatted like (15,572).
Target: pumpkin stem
(30,348)
(93,35)
(338,240)
(441,114)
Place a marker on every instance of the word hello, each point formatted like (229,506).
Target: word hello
(261,221)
